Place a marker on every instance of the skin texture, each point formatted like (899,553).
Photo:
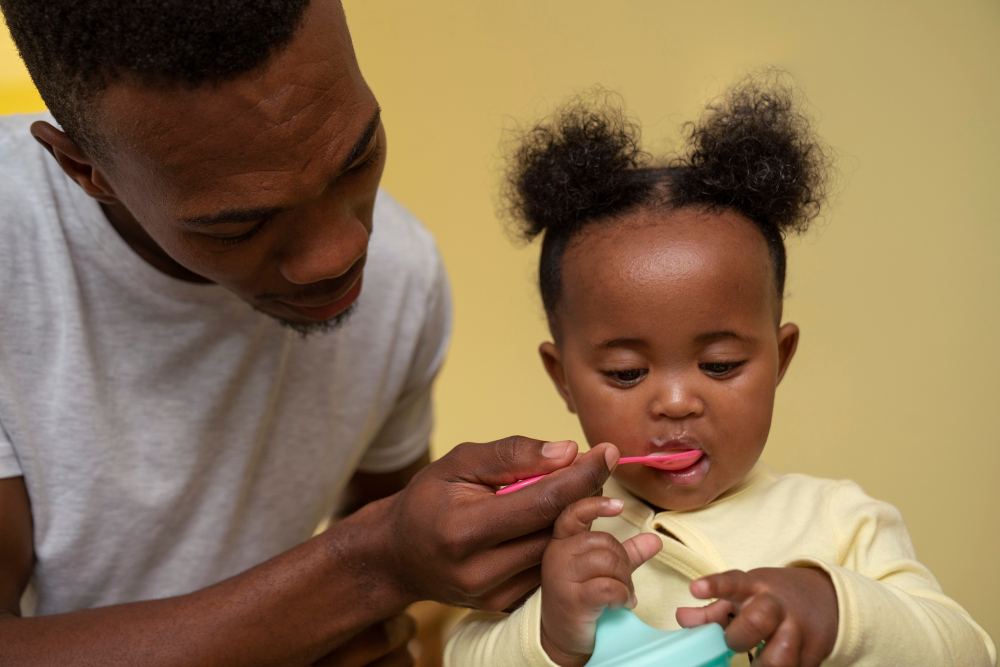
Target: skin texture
(289,138)
(668,337)
(298,139)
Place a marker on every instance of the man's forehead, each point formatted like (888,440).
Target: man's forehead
(296,118)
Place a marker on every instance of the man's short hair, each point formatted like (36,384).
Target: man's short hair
(75,48)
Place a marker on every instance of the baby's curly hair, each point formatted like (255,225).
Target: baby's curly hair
(753,151)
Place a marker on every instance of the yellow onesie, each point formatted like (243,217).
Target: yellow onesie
(892,612)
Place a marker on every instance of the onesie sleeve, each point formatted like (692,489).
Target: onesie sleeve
(891,609)
(9,467)
(500,640)
(406,433)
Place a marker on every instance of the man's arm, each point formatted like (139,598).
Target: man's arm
(446,536)
(289,610)
(17,550)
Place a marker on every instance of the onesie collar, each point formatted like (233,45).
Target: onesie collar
(639,514)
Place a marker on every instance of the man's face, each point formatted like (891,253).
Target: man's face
(264,185)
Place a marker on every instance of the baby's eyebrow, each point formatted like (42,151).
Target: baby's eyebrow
(720,335)
(620,342)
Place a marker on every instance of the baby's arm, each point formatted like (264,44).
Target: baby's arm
(583,572)
(889,609)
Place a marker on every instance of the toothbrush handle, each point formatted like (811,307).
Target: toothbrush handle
(518,485)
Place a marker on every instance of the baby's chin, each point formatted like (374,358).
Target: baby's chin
(650,487)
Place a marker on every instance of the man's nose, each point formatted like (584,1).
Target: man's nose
(324,244)
(675,398)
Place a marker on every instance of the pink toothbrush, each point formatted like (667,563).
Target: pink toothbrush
(661,461)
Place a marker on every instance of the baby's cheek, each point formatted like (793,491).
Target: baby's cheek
(745,407)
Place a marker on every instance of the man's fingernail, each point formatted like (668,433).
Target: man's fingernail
(557,450)
(611,456)
(616,503)
(633,601)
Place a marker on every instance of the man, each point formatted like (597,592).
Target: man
(185,383)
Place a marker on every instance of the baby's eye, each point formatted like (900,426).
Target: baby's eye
(626,377)
(720,368)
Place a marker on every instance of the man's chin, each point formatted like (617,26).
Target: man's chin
(306,329)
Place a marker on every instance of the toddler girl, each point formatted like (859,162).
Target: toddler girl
(663,289)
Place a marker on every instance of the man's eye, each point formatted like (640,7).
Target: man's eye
(373,156)
(720,368)
(245,236)
(626,377)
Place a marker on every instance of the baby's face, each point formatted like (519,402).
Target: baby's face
(668,339)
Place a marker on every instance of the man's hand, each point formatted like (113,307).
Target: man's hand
(380,645)
(792,609)
(449,538)
(582,573)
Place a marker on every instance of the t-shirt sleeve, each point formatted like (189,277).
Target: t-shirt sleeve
(406,434)
(891,610)
(9,467)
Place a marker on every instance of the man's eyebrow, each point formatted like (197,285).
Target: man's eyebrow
(235,215)
(363,141)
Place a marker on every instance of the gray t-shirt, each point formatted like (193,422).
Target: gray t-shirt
(169,435)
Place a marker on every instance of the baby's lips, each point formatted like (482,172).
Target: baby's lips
(677,461)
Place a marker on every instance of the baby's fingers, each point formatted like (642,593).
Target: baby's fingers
(734,585)
(783,648)
(755,622)
(596,594)
(577,517)
(641,548)
(717,612)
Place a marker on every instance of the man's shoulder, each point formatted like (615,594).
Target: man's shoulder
(26,184)
(399,233)
(17,146)
(405,304)
(402,251)
(29,201)
(19,125)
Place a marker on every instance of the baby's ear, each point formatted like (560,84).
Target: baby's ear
(552,359)
(788,341)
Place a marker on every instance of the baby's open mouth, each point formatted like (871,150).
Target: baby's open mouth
(677,460)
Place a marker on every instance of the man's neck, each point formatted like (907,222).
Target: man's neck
(143,244)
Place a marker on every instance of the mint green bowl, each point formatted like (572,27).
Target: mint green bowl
(625,641)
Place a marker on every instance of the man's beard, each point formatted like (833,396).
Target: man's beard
(324,327)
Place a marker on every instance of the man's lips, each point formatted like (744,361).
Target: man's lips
(332,308)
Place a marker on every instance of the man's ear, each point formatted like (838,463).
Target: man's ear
(78,165)
(788,341)
(552,359)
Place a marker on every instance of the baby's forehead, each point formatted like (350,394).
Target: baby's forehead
(707,256)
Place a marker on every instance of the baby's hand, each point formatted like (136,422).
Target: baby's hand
(584,572)
(793,609)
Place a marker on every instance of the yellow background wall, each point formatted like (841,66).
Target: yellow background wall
(897,379)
